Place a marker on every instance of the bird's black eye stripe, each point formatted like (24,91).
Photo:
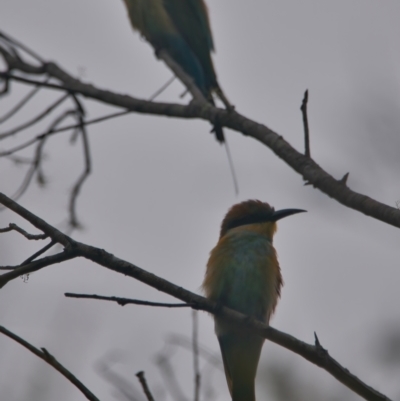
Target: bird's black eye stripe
(250,219)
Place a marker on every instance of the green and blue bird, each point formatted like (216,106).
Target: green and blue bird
(243,273)
(182,29)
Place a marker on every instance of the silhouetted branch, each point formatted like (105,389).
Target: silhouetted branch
(35,166)
(39,252)
(162,89)
(47,357)
(19,105)
(14,42)
(87,162)
(127,301)
(143,382)
(312,353)
(37,222)
(14,227)
(195,349)
(305,166)
(17,271)
(303,109)
(35,120)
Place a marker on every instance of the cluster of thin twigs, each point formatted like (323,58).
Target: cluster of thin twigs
(65,107)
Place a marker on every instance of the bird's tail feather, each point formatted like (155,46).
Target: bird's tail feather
(241,353)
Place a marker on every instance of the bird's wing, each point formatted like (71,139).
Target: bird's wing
(190,18)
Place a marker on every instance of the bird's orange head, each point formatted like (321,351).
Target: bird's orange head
(260,215)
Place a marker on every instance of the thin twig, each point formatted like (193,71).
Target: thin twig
(40,84)
(40,137)
(195,349)
(127,301)
(87,162)
(143,382)
(31,171)
(36,163)
(162,89)
(303,109)
(23,47)
(232,168)
(21,104)
(34,120)
(33,266)
(62,129)
(14,227)
(47,357)
(39,252)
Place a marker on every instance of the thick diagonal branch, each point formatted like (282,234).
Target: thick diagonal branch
(305,166)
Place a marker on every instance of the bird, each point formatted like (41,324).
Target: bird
(182,29)
(243,274)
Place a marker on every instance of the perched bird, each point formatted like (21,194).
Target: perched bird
(182,28)
(243,273)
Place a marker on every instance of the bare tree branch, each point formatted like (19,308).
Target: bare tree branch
(127,301)
(36,119)
(305,166)
(303,109)
(87,161)
(14,227)
(47,357)
(36,221)
(143,382)
(315,354)
(19,105)
(39,252)
(195,351)
(33,266)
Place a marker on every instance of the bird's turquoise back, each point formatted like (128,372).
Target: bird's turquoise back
(153,21)
(190,18)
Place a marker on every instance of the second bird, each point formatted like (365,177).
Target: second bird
(182,28)
(243,274)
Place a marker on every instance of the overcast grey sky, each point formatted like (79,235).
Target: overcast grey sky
(160,188)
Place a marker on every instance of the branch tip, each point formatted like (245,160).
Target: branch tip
(143,382)
(343,180)
(303,109)
(317,343)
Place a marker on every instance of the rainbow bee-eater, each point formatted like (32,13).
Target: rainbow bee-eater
(182,29)
(243,273)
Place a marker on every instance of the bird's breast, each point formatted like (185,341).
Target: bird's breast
(243,273)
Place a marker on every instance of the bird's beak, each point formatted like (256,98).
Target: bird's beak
(280,214)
